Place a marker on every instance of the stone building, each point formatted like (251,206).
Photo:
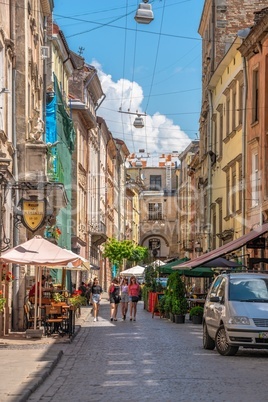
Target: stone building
(158,204)
(254,52)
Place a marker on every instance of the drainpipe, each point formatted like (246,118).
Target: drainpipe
(244,122)
(15,268)
(209,169)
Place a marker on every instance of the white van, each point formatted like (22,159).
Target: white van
(236,313)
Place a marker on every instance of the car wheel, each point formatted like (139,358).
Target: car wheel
(222,345)
(208,342)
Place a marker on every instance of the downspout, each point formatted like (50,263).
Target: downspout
(209,169)
(15,268)
(244,122)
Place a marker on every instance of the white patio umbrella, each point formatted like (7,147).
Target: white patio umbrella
(40,252)
(138,270)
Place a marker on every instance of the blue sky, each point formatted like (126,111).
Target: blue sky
(154,69)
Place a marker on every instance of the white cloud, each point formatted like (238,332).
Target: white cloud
(160,134)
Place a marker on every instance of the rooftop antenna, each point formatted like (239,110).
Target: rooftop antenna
(81,50)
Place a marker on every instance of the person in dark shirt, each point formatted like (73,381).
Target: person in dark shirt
(114,297)
(96,292)
(32,291)
(83,289)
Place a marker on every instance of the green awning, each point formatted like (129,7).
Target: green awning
(200,272)
(167,268)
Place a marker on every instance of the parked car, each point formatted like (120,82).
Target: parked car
(236,313)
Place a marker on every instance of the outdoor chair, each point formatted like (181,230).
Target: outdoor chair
(29,315)
(53,320)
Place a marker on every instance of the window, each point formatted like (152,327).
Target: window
(215,287)
(254,180)
(220,133)
(240,107)
(233,190)
(155,211)
(255,96)
(240,183)
(155,183)
(214,227)
(227,116)
(234,110)
(227,194)
(220,129)
(221,290)
(220,220)
(214,134)
(154,244)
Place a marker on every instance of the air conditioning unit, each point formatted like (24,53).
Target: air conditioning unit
(45,52)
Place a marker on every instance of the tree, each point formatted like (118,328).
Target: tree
(116,251)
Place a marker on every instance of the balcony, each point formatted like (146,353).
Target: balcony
(98,233)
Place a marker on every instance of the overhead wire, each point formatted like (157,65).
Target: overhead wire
(124,67)
(156,57)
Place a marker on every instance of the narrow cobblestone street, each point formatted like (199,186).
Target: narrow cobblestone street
(151,360)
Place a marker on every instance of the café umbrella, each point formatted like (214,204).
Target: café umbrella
(40,252)
(137,270)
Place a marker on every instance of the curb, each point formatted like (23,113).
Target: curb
(40,380)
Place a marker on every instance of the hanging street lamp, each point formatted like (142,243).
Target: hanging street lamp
(144,14)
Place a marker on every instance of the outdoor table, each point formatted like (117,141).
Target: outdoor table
(196,302)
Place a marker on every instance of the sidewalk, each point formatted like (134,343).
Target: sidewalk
(26,363)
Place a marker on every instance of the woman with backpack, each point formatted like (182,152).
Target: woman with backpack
(114,297)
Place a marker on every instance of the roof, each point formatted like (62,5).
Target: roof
(225,249)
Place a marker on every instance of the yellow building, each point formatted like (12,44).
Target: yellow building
(225,148)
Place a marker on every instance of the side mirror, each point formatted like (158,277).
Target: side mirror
(215,299)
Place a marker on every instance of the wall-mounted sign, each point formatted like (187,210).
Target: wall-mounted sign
(258,243)
(33,213)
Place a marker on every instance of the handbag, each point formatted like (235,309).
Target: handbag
(134,299)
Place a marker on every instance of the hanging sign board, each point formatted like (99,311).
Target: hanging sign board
(258,243)
(33,213)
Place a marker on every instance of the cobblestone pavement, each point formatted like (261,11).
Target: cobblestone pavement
(151,360)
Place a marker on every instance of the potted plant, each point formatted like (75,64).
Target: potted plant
(176,289)
(168,305)
(58,298)
(196,314)
(180,310)
(161,305)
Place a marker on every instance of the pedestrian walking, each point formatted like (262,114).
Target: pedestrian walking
(88,292)
(114,297)
(133,292)
(124,298)
(96,292)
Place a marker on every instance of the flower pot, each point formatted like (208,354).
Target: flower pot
(179,319)
(197,319)
(171,317)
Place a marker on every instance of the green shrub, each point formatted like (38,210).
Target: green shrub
(197,311)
